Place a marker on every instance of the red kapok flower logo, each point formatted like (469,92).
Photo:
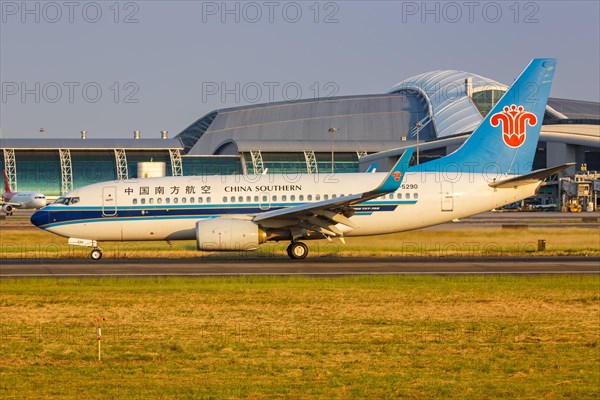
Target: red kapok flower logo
(514,121)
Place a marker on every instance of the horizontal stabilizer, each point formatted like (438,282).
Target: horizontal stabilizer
(532,177)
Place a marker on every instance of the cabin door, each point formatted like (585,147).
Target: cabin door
(447,196)
(109,201)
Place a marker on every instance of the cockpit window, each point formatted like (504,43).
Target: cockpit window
(67,200)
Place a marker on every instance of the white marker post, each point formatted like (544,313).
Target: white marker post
(99,335)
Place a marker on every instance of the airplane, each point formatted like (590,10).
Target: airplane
(240,212)
(20,200)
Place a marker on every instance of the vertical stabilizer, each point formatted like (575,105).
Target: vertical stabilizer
(506,141)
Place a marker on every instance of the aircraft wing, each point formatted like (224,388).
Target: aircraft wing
(323,216)
(532,177)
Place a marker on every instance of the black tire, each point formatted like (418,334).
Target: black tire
(297,251)
(96,255)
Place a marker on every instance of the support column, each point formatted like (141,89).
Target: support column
(311,162)
(121,160)
(176,168)
(257,162)
(10,165)
(66,171)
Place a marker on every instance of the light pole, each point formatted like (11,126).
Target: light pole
(418,127)
(332,131)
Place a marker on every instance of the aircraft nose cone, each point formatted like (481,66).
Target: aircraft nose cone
(40,218)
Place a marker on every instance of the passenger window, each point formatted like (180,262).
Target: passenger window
(199,200)
(134,201)
(293,197)
(183,200)
(233,199)
(143,201)
(175,200)
(248,199)
(333,196)
(326,197)
(407,196)
(399,196)
(274,198)
(301,197)
(318,197)
(309,197)
(159,200)
(224,199)
(256,199)
(284,198)
(391,196)
(241,199)
(151,200)
(208,199)
(168,200)
(192,200)
(416,196)
(265,198)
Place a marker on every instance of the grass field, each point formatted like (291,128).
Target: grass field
(434,242)
(381,337)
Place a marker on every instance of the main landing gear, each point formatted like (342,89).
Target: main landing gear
(96,252)
(297,251)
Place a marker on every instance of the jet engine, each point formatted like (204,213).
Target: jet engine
(7,208)
(222,234)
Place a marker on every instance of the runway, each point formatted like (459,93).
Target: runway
(203,267)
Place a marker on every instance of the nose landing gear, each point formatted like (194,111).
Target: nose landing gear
(96,254)
(297,251)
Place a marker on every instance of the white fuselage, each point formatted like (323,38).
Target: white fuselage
(25,200)
(168,208)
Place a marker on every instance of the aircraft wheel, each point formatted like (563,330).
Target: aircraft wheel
(297,251)
(96,254)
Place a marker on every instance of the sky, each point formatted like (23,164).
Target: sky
(111,67)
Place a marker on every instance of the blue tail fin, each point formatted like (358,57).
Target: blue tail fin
(507,138)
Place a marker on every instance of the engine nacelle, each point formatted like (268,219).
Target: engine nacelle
(7,208)
(227,234)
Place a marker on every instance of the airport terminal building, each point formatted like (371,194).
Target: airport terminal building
(438,110)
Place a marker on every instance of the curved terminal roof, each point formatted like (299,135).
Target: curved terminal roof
(364,123)
(452,109)
(449,96)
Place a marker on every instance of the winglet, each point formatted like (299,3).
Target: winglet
(393,180)
(6,186)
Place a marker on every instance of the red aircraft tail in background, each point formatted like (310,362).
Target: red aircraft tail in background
(5,179)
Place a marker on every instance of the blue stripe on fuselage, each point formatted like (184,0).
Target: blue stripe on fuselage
(72,215)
